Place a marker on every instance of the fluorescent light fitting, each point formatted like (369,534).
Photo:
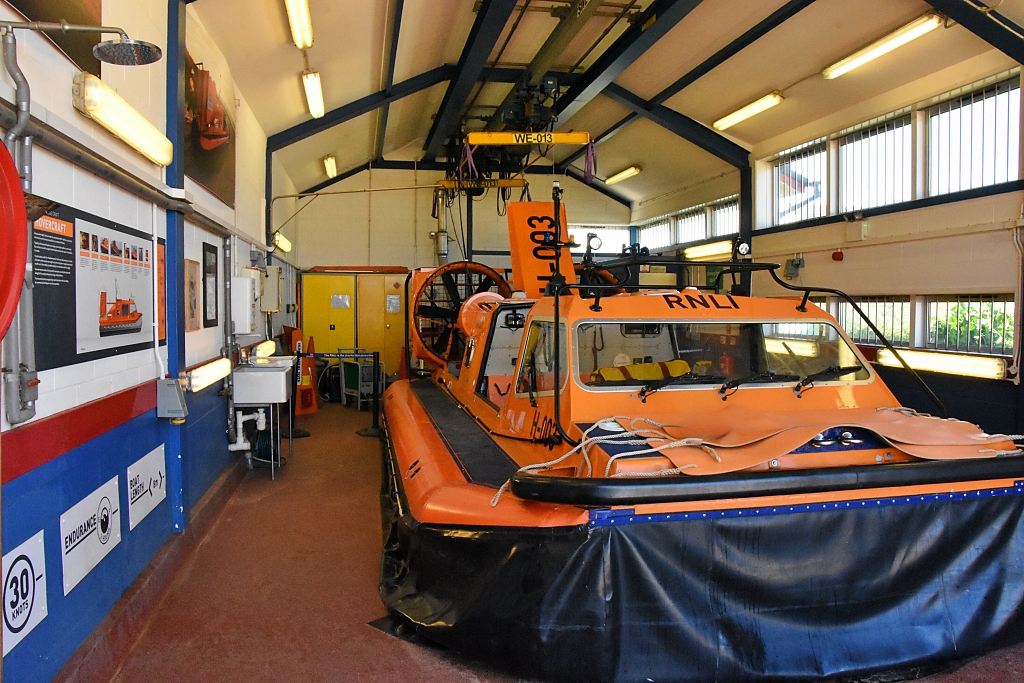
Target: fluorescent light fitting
(900,36)
(300,22)
(330,166)
(622,175)
(265,348)
(987,367)
(752,109)
(314,93)
(805,349)
(205,375)
(95,99)
(282,242)
(705,250)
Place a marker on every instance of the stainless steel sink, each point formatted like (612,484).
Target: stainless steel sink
(264,382)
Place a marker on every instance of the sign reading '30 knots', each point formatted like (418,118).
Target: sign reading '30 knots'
(531,232)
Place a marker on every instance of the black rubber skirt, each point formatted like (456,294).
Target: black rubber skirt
(776,594)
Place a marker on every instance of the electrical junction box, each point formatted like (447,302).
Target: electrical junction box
(170,401)
(270,302)
(243,305)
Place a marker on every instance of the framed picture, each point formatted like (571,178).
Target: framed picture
(193,280)
(210,290)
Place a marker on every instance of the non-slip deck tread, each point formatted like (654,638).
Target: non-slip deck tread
(481,460)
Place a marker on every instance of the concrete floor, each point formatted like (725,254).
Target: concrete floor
(285,583)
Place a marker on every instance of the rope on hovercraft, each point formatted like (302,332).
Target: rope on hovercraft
(634,436)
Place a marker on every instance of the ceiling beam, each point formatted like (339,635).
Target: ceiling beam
(490,22)
(992,27)
(762,28)
(657,20)
(683,126)
(390,52)
(364,105)
(378,164)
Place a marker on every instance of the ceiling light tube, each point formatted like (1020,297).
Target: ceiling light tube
(282,242)
(622,175)
(95,99)
(314,93)
(705,250)
(987,367)
(205,375)
(752,109)
(897,38)
(265,348)
(330,166)
(300,23)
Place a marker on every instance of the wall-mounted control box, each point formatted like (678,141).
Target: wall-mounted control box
(270,302)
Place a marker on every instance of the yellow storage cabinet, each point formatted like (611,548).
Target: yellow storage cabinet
(359,309)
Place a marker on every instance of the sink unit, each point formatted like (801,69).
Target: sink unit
(262,384)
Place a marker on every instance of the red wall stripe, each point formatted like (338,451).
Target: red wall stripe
(39,442)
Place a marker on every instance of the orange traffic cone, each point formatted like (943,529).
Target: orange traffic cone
(306,392)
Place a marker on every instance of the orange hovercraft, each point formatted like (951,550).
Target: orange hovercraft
(721,488)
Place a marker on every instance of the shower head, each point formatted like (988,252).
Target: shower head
(126,52)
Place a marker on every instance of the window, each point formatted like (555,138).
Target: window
(656,235)
(725,217)
(798,177)
(693,225)
(537,372)
(890,314)
(613,240)
(979,323)
(974,139)
(874,165)
(703,355)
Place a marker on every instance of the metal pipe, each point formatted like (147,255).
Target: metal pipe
(229,341)
(63,27)
(20,380)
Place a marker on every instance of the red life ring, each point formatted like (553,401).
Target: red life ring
(14,237)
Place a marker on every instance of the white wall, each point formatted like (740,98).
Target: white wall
(50,76)
(958,248)
(393,228)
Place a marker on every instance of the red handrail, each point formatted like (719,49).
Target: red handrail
(13,238)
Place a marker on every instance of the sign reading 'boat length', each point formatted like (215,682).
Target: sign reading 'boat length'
(88,531)
(24,593)
(147,485)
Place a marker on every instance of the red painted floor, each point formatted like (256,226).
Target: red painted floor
(283,586)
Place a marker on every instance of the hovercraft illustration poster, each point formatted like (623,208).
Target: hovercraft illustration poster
(93,288)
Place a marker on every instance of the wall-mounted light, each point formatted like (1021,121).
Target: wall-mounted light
(897,38)
(752,109)
(622,175)
(300,23)
(987,367)
(95,99)
(805,349)
(205,375)
(281,242)
(314,93)
(330,166)
(265,348)
(707,250)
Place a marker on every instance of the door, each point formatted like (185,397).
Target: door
(328,311)
(381,316)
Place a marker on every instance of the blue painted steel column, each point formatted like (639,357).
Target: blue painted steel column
(174,254)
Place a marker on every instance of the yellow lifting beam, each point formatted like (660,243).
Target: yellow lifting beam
(512,138)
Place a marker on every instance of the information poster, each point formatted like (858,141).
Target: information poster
(93,288)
